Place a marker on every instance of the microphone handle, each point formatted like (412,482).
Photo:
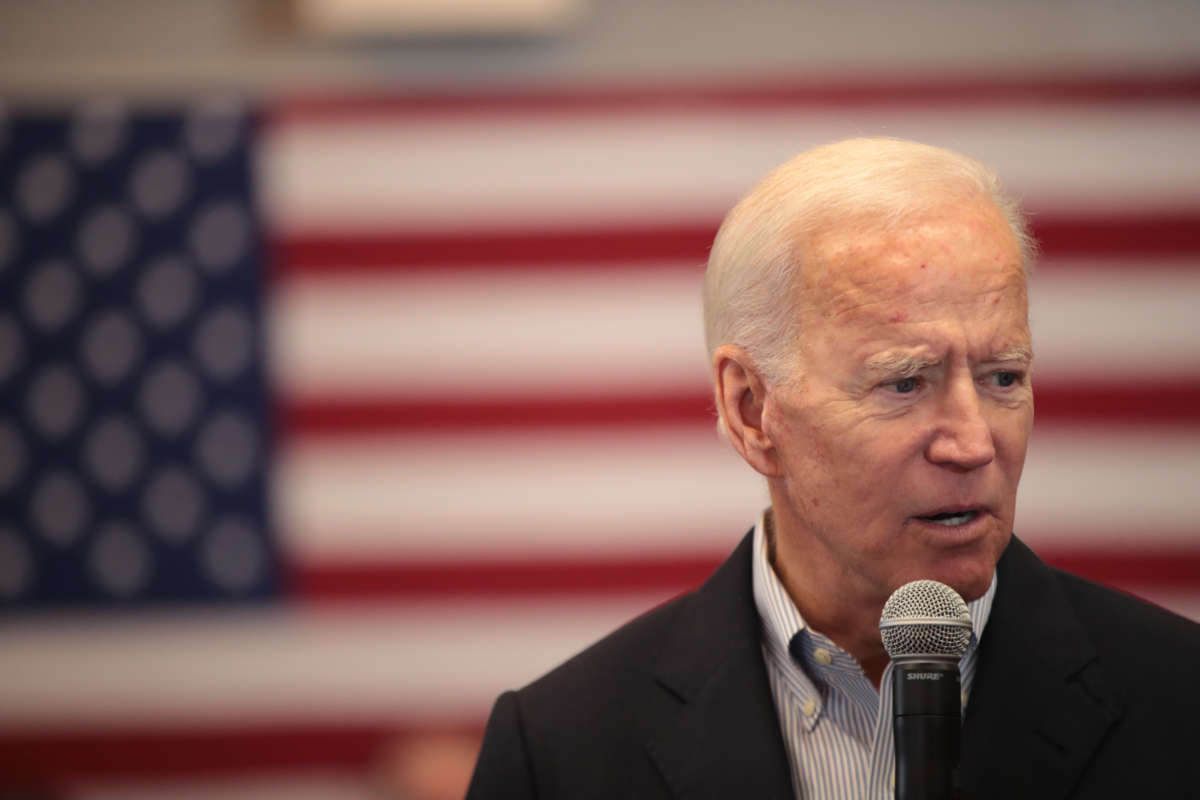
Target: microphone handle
(927,723)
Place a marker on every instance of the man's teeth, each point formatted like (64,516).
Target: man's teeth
(950,520)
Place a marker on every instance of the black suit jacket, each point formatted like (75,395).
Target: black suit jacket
(1080,692)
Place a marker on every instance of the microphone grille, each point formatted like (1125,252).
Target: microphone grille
(925,618)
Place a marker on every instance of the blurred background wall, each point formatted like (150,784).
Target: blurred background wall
(351,367)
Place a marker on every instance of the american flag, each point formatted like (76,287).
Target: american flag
(325,419)
(134,396)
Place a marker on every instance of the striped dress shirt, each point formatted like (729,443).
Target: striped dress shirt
(836,727)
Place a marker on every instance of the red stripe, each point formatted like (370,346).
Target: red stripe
(388,251)
(1164,568)
(1132,568)
(49,759)
(374,416)
(658,99)
(380,580)
(1174,233)
(340,253)
(1169,402)
(1140,403)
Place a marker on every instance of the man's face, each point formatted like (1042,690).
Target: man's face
(900,447)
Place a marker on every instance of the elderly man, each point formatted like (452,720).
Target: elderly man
(866,316)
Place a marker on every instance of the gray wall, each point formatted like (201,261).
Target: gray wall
(55,46)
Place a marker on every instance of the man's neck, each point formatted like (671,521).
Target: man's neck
(853,626)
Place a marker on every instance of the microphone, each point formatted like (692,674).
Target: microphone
(925,628)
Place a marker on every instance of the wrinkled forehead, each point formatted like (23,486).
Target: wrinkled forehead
(951,255)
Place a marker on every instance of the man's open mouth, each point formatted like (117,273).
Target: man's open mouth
(951,518)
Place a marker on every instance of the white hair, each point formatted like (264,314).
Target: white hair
(750,283)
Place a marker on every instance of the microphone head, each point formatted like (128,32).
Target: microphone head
(925,618)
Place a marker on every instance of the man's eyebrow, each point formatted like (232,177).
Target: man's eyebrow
(1017,352)
(907,362)
(900,362)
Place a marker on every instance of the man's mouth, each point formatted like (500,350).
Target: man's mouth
(951,519)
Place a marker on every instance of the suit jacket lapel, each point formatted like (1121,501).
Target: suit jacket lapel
(1039,706)
(724,740)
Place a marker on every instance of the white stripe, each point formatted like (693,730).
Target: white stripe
(425,661)
(1091,486)
(639,492)
(511,494)
(597,331)
(516,169)
(1111,322)
(605,331)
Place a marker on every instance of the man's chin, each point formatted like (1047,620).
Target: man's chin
(974,588)
(968,571)
(972,575)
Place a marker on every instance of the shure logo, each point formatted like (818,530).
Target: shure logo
(924,676)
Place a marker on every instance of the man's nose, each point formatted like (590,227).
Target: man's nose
(962,436)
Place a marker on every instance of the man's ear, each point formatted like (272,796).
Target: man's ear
(740,395)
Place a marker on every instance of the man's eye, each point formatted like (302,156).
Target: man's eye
(1006,378)
(905,385)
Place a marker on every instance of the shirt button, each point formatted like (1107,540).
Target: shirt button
(809,707)
(823,656)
